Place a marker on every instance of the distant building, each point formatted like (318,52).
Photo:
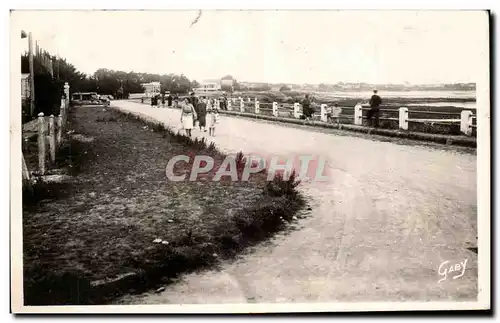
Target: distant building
(151,89)
(208,86)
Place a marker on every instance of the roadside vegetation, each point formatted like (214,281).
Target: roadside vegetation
(120,227)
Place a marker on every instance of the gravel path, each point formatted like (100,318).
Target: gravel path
(377,231)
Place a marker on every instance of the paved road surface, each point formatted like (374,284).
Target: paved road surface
(378,231)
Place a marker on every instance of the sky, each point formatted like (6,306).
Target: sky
(418,47)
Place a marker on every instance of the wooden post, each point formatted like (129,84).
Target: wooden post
(52,139)
(403,118)
(32,75)
(275,109)
(257,106)
(466,122)
(323,113)
(26,173)
(41,143)
(358,114)
(62,113)
(242,105)
(66,91)
(59,130)
(296,110)
(229,104)
(66,101)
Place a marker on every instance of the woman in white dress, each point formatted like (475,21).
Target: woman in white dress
(188,114)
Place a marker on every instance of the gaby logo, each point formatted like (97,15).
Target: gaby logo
(447,268)
(306,167)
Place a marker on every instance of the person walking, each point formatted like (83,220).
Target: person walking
(194,102)
(223,102)
(212,118)
(169,100)
(202,113)
(176,101)
(163,100)
(188,114)
(373,115)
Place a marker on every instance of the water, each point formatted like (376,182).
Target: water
(365,95)
(402,94)
(461,105)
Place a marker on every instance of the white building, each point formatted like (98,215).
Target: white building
(151,89)
(208,86)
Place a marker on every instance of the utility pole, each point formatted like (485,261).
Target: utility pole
(32,75)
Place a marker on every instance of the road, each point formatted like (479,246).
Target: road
(378,230)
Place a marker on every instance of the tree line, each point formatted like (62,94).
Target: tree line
(49,83)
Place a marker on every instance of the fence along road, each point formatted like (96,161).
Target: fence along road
(378,231)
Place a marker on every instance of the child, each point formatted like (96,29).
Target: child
(212,119)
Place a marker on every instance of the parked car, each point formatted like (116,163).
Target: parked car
(105,99)
(82,98)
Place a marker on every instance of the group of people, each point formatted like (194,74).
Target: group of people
(164,101)
(202,111)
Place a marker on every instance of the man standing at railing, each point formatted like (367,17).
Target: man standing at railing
(306,107)
(374,112)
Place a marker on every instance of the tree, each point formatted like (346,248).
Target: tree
(194,84)
(227,88)
(285,88)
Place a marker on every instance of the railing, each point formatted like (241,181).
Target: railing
(50,133)
(464,118)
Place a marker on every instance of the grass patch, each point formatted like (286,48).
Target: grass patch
(106,119)
(95,241)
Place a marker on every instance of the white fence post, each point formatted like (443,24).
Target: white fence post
(66,93)
(229,104)
(466,122)
(59,130)
(41,143)
(296,110)
(403,118)
(275,109)
(257,106)
(52,138)
(242,105)
(358,114)
(323,113)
